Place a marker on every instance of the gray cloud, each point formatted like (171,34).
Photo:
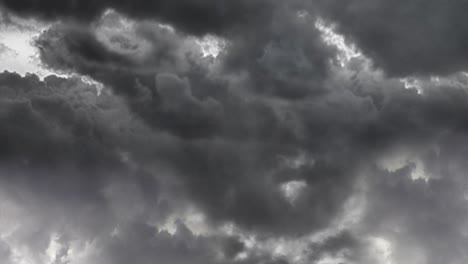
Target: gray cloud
(62,170)
(196,17)
(404,38)
(5,253)
(271,137)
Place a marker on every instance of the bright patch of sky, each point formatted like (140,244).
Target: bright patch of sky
(18,53)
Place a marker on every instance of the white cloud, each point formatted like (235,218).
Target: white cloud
(346,50)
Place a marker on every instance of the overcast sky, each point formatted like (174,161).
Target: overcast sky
(233,132)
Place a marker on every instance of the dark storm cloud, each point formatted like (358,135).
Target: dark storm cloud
(175,108)
(416,215)
(286,57)
(404,37)
(31,110)
(198,17)
(76,48)
(156,96)
(58,144)
(61,169)
(173,130)
(160,98)
(179,111)
(237,138)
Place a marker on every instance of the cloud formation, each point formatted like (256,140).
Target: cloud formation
(273,150)
(196,17)
(404,37)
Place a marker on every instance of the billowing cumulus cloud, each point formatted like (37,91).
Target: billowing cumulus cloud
(236,132)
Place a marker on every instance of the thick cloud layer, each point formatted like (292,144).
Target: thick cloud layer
(405,37)
(196,17)
(271,150)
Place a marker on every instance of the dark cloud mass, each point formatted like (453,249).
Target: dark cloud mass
(223,132)
(197,17)
(405,37)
